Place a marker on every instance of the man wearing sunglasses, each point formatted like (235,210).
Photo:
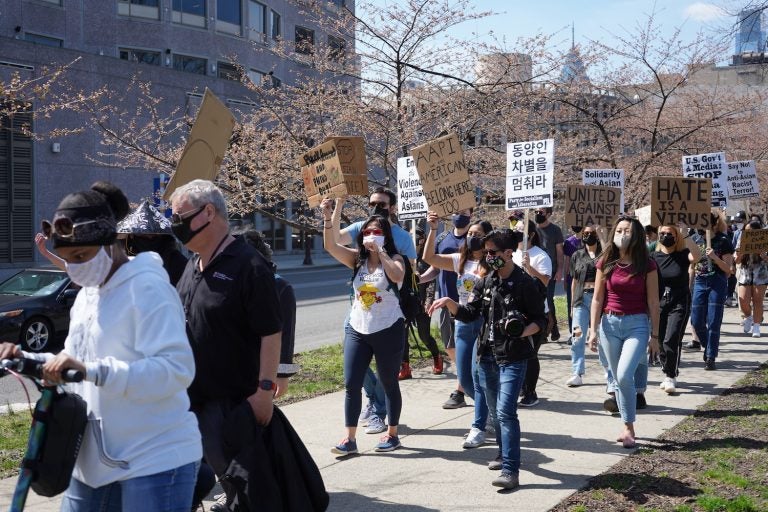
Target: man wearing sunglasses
(233,319)
(552,239)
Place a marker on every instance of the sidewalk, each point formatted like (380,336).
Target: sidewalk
(567,438)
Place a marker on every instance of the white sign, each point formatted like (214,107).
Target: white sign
(742,180)
(644,215)
(411,202)
(605,178)
(712,166)
(530,172)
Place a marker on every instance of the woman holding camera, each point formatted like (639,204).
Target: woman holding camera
(512,304)
(624,304)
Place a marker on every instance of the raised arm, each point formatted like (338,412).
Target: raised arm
(441,261)
(344,255)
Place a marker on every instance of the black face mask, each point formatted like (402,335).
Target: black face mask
(475,243)
(667,240)
(137,244)
(589,239)
(184,232)
(378,210)
(540,218)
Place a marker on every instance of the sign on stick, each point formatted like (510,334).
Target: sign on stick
(711,166)
(592,205)
(444,175)
(411,203)
(351,151)
(742,180)
(686,200)
(753,241)
(605,178)
(530,174)
(321,172)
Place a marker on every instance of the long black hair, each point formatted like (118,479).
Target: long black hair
(389,241)
(637,250)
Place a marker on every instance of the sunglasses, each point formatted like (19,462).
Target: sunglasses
(380,204)
(493,252)
(374,232)
(65,228)
(178,218)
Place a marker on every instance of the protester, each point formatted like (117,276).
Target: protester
(709,291)
(376,327)
(551,237)
(512,305)
(236,350)
(752,278)
(624,305)
(651,237)
(536,263)
(470,267)
(570,246)
(673,256)
(141,447)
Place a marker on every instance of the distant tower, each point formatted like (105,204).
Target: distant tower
(750,36)
(573,68)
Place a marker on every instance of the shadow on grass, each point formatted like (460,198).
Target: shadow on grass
(639,487)
(710,444)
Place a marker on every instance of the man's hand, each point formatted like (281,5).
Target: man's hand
(53,369)
(261,405)
(9,351)
(282,386)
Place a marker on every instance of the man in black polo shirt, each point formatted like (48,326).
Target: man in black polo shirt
(233,316)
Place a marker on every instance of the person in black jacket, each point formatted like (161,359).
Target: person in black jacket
(512,303)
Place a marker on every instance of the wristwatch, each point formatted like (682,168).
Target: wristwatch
(267,385)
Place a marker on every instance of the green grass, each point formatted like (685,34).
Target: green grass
(712,503)
(14,429)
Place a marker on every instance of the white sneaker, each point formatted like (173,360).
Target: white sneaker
(574,381)
(475,438)
(366,413)
(375,425)
(669,385)
(221,503)
(756,331)
(747,323)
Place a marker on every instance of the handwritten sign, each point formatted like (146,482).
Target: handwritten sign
(644,215)
(710,166)
(685,200)
(742,180)
(753,241)
(444,176)
(592,205)
(321,172)
(351,151)
(411,203)
(530,174)
(605,178)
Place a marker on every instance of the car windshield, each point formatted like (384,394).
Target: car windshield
(33,284)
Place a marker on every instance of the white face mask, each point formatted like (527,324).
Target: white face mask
(92,272)
(379,239)
(621,241)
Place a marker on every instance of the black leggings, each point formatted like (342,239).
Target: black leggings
(386,346)
(423,325)
(673,318)
(532,373)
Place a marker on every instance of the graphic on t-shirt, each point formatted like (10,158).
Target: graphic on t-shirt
(468,284)
(368,295)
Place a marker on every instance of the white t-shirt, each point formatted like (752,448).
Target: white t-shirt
(375,305)
(539,260)
(465,282)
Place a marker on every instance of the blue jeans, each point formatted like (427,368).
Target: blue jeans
(580,318)
(502,385)
(466,335)
(641,374)
(162,492)
(625,340)
(707,311)
(569,300)
(481,405)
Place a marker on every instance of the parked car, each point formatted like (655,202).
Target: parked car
(34,309)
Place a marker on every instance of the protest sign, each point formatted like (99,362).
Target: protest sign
(321,172)
(592,205)
(530,173)
(742,180)
(411,203)
(713,167)
(753,241)
(444,176)
(351,151)
(605,178)
(686,200)
(644,215)
(206,146)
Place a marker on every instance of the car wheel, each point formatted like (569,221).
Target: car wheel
(36,334)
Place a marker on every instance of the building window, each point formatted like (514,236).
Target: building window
(189,12)
(229,17)
(142,56)
(276,31)
(257,21)
(228,71)
(337,48)
(188,64)
(305,40)
(44,40)
(139,8)
(16,186)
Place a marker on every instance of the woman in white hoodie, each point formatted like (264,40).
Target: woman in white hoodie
(141,449)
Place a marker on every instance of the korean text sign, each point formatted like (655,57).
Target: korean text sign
(530,172)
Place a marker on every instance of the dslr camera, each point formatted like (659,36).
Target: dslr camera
(513,322)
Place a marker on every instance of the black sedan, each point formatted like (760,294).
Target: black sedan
(34,309)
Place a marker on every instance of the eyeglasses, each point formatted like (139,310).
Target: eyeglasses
(374,232)
(63,227)
(493,252)
(380,204)
(177,218)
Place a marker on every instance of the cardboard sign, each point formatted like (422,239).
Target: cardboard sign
(321,172)
(592,205)
(605,178)
(742,180)
(411,203)
(530,174)
(444,175)
(753,241)
(206,146)
(354,167)
(644,215)
(685,200)
(711,166)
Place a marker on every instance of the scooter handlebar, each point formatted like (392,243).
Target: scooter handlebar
(34,368)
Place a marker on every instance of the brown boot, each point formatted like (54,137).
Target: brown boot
(405,372)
